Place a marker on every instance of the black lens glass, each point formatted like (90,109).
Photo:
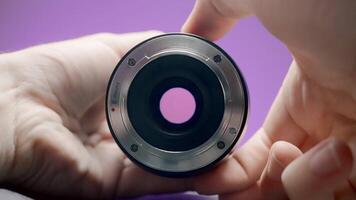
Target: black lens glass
(153,81)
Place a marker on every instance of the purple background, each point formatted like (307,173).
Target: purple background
(262,59)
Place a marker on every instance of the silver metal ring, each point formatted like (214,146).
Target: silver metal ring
(177,163)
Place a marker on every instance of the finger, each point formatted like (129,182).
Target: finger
(121,43)
(237,172)
(270,185)
(134,181)
(246,166)
(120,177)
(281,123)
(281,155)
(319,172)
(78,70)
(213,18)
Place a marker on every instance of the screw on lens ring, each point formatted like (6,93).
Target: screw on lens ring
(232,130)
(134,147)
(217,59)
(131,62)
(221,145)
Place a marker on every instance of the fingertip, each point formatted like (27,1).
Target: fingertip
(319,171)
(284,153)
(121,43)
(154,32)
(334,157)
(208,21)
(280,156)
(147,34)
(112,36)
(345,157)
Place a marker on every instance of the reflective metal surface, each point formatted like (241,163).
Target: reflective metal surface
(177,162)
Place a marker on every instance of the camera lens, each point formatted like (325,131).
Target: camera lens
(172,102)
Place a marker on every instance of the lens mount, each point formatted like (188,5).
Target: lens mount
(157,65)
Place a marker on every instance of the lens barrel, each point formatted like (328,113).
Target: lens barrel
(157,65)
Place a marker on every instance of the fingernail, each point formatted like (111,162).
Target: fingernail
(330,158)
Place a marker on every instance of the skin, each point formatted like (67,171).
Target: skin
(54,138)
(314,112)
(55,141)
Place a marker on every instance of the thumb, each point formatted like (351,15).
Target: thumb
(318,173)
(213,18)
(269,186)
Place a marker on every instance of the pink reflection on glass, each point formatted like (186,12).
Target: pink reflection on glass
(177,105)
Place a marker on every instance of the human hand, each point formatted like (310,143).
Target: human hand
(54,137)
(315,109)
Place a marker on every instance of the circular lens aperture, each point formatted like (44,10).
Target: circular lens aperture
(177,105)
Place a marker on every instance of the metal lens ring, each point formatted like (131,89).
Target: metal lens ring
(168,61)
